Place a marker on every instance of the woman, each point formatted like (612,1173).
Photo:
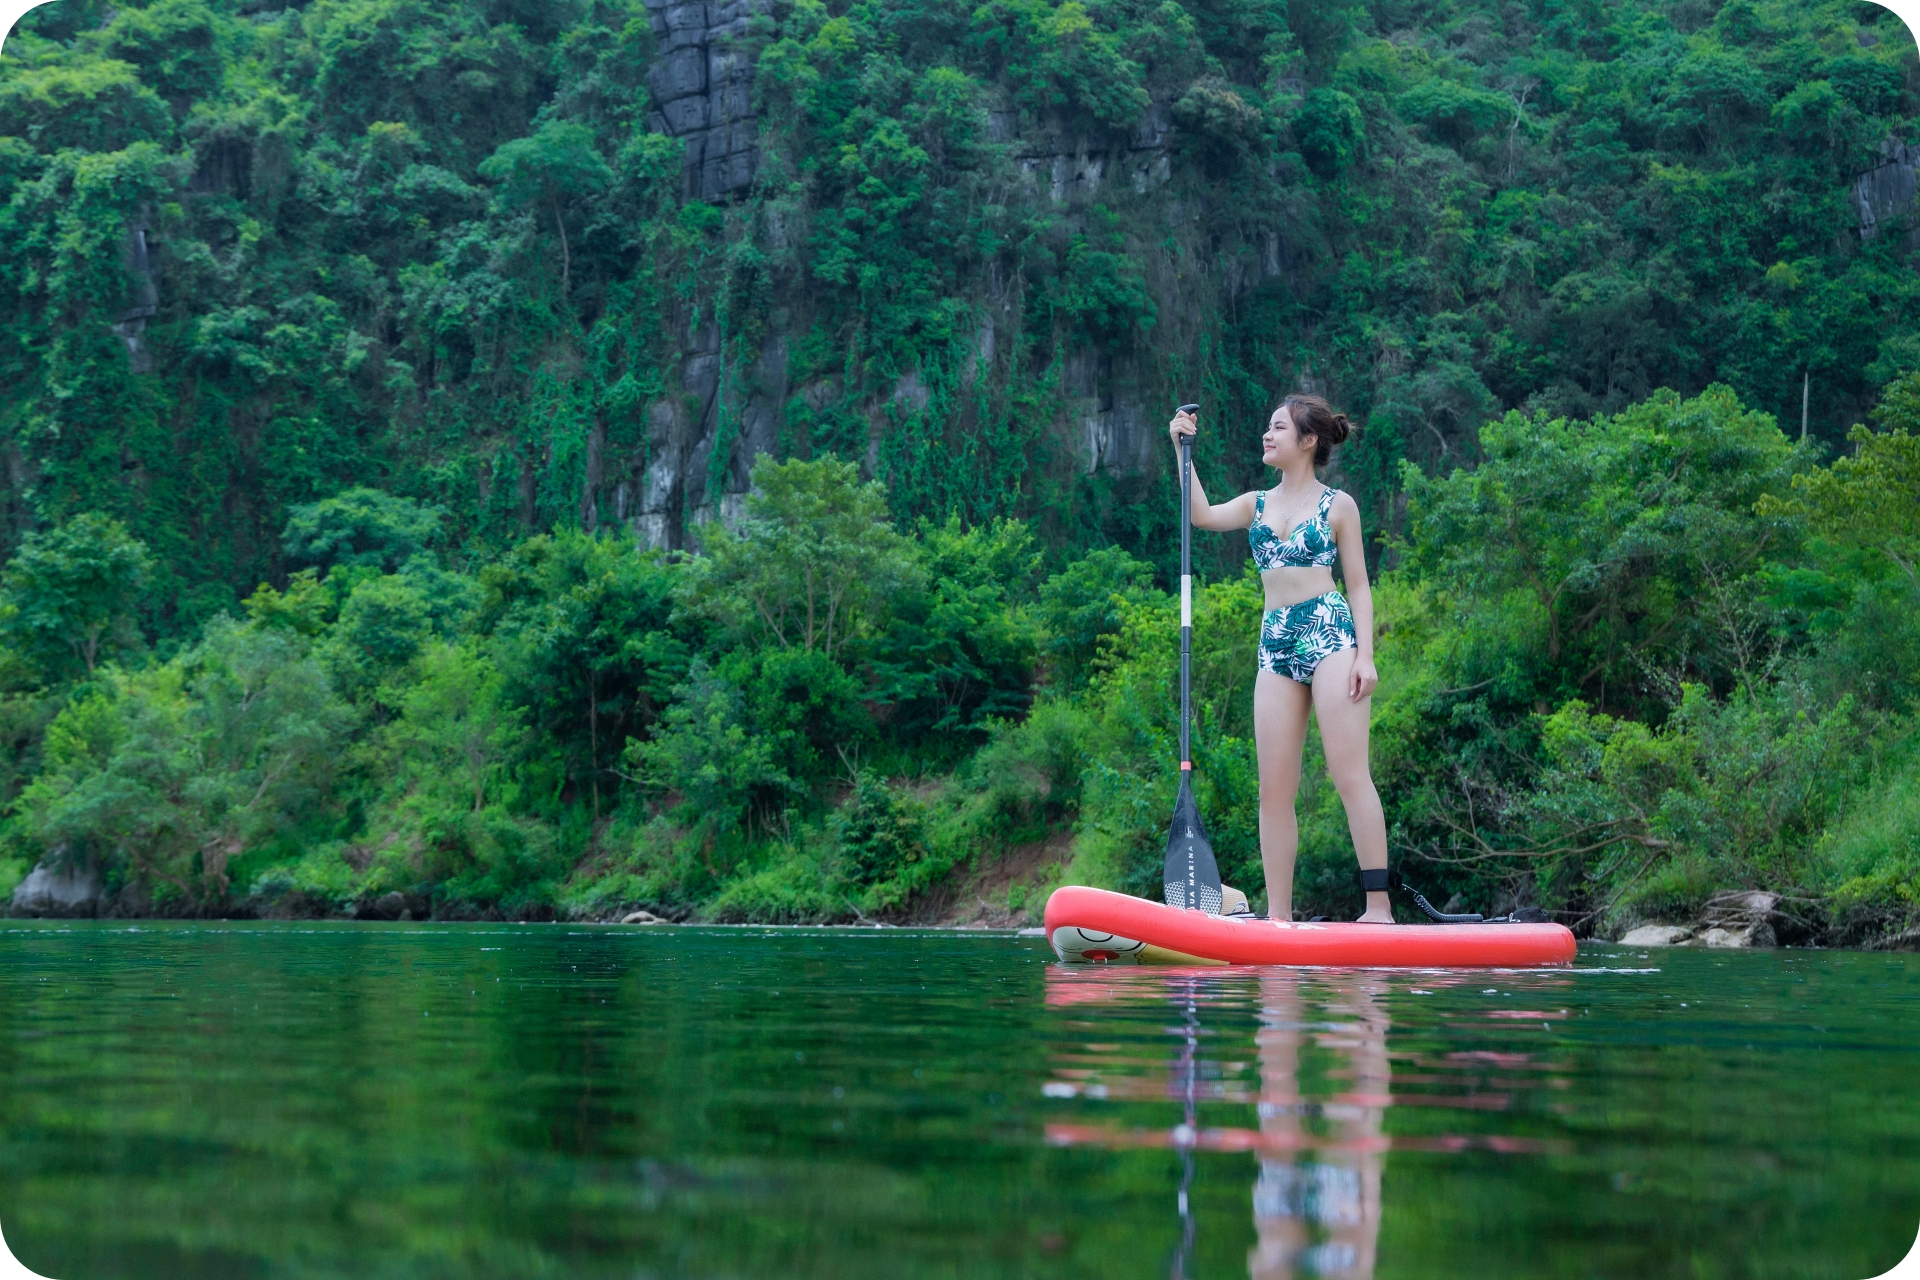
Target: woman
(1316,646)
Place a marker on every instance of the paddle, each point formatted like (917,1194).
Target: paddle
(1192,878)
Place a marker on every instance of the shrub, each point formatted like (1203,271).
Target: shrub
(793,890)
(880,832)
(1871,858)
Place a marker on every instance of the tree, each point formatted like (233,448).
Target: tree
(580,626)
(1330,131)
(1871,499)
(67,599)
(1608,543)
(359,527)
(1058,60)
(450,761)
(1081,604)
(1220,124)
(555,165)
(384,623)
(456,735)
(1455,113)
(961,653)
(711,755)
(812,565)
(174,771)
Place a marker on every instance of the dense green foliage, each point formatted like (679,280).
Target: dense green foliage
(438,250)
(1701,674)
(318,591)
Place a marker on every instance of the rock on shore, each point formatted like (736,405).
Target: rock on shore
(1736,918)
(65,890)
(1656,935)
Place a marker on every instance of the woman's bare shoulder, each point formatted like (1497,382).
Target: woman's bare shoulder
(1343,512)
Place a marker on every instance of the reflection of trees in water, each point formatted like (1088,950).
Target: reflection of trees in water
(1316,1203)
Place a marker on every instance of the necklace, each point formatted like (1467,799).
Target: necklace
(1289,527)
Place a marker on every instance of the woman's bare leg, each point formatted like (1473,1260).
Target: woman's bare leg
(1343,732)
(1279,731)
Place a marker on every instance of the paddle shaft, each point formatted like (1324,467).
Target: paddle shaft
(1186,603)
(1192,877)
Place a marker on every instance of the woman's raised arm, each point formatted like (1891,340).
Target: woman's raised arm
(1234,513)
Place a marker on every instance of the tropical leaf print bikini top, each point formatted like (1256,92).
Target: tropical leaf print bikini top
(1310,543)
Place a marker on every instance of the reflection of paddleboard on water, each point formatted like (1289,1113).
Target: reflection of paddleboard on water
(1096,926)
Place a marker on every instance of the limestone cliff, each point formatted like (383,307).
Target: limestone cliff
(703,93)
(1883,195)
(702,86)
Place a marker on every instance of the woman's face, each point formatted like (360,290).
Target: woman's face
(1283,442)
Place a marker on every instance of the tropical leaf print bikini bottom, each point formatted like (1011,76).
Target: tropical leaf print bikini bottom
(1295,640)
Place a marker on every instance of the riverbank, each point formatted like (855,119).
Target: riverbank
(1007,896)
(1620,712)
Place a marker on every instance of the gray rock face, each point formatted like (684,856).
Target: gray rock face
(1111,400)
(703,92)
(1076,170)
(144,295)
(68,890)
(393,906)
(1119,431)
(701,82)
(734,410)
(1883,196)
(1756,935)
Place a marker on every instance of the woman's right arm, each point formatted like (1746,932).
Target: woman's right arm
(1234,513)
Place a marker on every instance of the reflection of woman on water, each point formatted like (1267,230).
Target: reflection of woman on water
(1316,1206)
(1324,1087)
(1316,645)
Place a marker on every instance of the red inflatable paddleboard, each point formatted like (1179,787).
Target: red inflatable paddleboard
(1096,926)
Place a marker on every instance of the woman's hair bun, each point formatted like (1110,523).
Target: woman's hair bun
(1313,416)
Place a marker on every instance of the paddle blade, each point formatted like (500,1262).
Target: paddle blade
(1192,877)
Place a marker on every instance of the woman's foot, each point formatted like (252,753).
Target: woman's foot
(1379,910)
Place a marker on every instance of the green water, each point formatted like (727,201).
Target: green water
(544,1100)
